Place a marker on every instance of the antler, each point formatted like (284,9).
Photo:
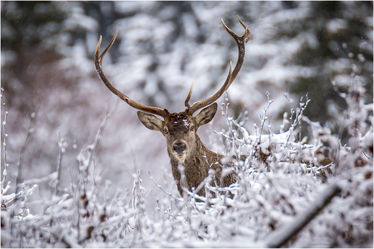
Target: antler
(240,40)
(98,59)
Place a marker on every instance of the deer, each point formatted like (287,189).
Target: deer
(191,161)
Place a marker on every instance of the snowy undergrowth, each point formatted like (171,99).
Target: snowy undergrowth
(279,176)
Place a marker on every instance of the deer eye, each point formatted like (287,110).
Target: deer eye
(165,130)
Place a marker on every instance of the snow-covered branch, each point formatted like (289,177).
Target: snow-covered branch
(284,234)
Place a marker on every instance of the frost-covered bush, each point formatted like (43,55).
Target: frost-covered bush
(55,190)
(162,47)
(279,176)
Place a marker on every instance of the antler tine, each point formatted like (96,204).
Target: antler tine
(107,48)
(98,64)
(186,104)
(240,40)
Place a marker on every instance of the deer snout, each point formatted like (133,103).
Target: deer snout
(179,147)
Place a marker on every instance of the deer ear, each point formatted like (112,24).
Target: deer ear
(150,121)
(206,115)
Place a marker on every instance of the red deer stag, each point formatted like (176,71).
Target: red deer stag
(183,144)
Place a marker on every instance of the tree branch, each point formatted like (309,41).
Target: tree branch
(280,237)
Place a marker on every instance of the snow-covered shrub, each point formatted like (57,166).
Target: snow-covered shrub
(279,176)
(61,195)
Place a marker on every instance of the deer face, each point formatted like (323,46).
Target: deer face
(179,129)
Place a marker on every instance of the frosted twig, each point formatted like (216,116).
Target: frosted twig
(30,131)
(183,180)
(61,150)
(264,118)
(84,165)
(298,116)
(92,147)
(4,151)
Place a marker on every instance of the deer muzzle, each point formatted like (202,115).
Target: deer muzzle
(179,147)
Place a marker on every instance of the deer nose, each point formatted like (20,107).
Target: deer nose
(179,147)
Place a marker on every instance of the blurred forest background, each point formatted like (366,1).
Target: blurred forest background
(52,97)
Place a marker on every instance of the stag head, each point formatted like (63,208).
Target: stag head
(179,128)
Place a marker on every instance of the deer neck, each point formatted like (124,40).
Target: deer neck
(204,154)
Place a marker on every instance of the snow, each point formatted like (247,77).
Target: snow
(116,187)
(336,25)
